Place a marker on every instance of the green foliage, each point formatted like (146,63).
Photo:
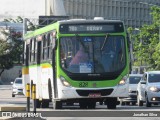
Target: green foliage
(10,49)
(147,52)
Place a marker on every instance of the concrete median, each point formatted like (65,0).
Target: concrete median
(12,108)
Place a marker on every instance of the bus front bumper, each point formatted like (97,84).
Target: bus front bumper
(71,92)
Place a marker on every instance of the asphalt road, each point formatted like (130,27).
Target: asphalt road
(74,113)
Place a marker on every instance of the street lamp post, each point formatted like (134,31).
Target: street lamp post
(140,34)
(140,42)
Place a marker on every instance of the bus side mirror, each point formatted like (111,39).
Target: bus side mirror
(54,40)
(54,44)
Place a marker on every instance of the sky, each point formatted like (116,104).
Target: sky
(27,8)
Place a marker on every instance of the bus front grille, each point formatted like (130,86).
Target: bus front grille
(103,92)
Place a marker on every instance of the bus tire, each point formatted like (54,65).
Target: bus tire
(92,105)
(50,90)
(13,95)
(83,105)
(57,105)
(112,103)
(133,103)
(127,103)
(45,103)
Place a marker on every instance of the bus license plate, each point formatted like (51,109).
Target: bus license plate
(94,95)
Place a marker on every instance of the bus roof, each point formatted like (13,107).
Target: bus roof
(71,21)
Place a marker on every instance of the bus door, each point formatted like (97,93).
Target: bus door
(39,82)
(54,46)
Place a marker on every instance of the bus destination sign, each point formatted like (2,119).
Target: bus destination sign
(80,28)
(102,28)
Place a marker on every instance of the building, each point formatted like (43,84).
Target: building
(134,13)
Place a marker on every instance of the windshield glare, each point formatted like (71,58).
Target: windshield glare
(18,81)
(154,78)
(134,79)
(92,54)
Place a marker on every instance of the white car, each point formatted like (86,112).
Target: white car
(149,89)
(133,82)
(17,87)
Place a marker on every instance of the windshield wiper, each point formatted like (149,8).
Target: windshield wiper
(105,41)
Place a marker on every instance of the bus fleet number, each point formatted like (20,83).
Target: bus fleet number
(83,84)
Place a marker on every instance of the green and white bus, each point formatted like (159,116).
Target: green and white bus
(77,61)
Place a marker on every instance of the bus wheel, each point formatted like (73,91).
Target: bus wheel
(38,103)
(83,105)
(111,103)
(133,103)
(57,104)
(91,105)
(45,103)
(127,103)
(13,95)
(50,90)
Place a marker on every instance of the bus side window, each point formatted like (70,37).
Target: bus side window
(33,51)
(48,46)
(27,55)
(30,51)
(52,43)
(38,52)
(43,46)
(24,53)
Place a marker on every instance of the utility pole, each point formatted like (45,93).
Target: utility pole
(24,26)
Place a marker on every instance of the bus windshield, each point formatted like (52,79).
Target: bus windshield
(85,54)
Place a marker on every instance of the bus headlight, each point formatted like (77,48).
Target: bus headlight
(64,82)
(154,89)
(123,81)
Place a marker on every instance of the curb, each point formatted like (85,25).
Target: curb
(12,108)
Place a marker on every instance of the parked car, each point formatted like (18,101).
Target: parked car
(133,82)
(149,89)
(17,87)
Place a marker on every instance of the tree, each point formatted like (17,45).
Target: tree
(10,50)
(147,51)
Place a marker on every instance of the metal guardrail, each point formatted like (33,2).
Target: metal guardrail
(5,87)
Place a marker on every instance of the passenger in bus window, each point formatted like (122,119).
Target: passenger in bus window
(80,57)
